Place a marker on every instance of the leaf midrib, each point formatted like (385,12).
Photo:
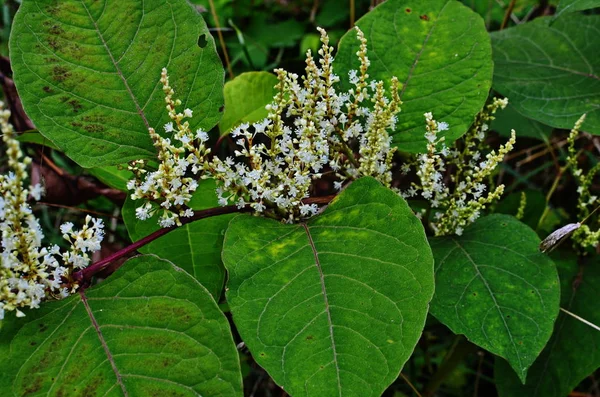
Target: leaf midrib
(418,56)
(326,299)
(109,355)
(117,68)
(491,293)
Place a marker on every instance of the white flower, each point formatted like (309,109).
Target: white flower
(37,191)
(66,228)
(188,113)
(29,270)
(201,135)
(142,213)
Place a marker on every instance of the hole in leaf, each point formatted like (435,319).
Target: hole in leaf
(222,108)
(202,42)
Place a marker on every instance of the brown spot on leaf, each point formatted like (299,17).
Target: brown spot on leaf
(56,30)
(408,10)
(33,387)
(94,128)
(424,17)
(60,73)
(75,105)
(47,89)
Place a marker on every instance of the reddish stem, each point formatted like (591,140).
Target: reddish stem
(86,274)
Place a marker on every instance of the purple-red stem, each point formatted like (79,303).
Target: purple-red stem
(87,273)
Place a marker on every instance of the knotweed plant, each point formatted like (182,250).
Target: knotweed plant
(311,129)
(29,271)
(458,198)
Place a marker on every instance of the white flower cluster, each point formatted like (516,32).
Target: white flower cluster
(171,186)
(325,128)
(460,203)
(29,271)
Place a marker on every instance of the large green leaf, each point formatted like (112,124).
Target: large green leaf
(246,97)
(333,306)
(149,330)
(572,353)
(195,247)
(509,119)
(495,287)
(87,72)
(113,175)
(440,52)
(567,6)
(550,71)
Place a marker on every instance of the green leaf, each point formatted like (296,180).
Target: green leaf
(440,52)
(36,138)
(90,84)
(246,97)
(113,176)
(572,353)
(567,6)
(149,330)
(509,119)
(495,287)
(336,305)
(551,71)
(195,247)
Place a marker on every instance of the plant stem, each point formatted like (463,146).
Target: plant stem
(551,192)
(509,11)
(414,389)
(86,274)
(221,39)
(461,348)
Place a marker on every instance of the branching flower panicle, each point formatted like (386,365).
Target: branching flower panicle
(311,128)
(29,271)
(459,203)
(584,236)
(181,157)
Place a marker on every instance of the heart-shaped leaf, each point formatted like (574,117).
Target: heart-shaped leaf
(440,52)
(195,247)
(550,70)
(149,330)
(572,353)
(333,306)
(87,72)
(495,287)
